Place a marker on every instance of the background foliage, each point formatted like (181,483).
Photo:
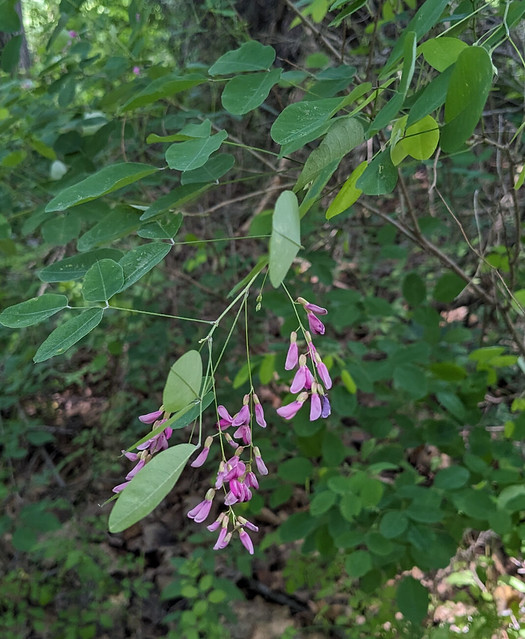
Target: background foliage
(144,150)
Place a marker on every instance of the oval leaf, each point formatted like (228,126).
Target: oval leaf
(243,93)
(107,180)
(285,240)
(149,487)
(162,229)
(379,177)
(251,56)
(163,87)
(348,194)
(185,156)
(467,93)
(184,382)
(102,281)
(343,136)
(73,268)
(119,222)
(214,169)
(303,119)
(32,311)
(68,334)
(139,261)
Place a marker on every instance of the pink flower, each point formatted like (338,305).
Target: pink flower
(120,487)
(259,412)
(72,34)
(315,406)
(315,309)
(316,326)
(293,353)
(261,466)
(246,541)
(202,510)
(225,418)
(247,524)
(136,70)
(135,470)
(303,377)
(326,409)
(323,372)
(291,410)
(203,454)
(230,440)
(251,480)
(149,418)
(244,433)
(242,417)
(219,544)
(216,523)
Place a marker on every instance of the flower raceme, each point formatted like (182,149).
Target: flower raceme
(235,476)
(305,382)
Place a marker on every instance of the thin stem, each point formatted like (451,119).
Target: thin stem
(134,310)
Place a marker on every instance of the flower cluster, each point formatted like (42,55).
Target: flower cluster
(148,448)
(235,476)
(305,382)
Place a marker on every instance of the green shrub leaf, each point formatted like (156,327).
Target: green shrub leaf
(149,487)
(192,154)
(102,281)
(32,311)
(183,383)
(251,56)
(285,240)
(68,334)
(243,93)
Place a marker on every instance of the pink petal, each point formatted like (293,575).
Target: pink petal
(316,326)
(292,356)
(316,309)
(120,487)
(299,380)
(290,410)
(326,406)
(197,463)
(315,407)
(220,539)
(224,413)
(149,418)
(259,416)
(246,541)
(324,375)
(242,417)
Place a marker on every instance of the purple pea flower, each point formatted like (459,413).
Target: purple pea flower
(203,454)
(226,419)
(216,523)
(244,433)
(202,510)
(120,487)
(313,308)
(293,353)
(149,418)
(261,466)
(247,524)
(315,324)
(303,377)
(136,70)
(323,372)
(246,541)
(291,410)
(315,405)
(243,416)
(251,480)
(135,469)
(259,412)
(326,409)
(219,544)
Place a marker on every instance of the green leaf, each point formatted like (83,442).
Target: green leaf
(11,54)
(73,268)
(251,56)
(285,240)
(348,194)
(380,176)
(214,169)
(119,222)
(68,334)
(419,140)
(163,87)
(414,289)
(391,108)
(185,156)
(426,17)
(61,229)
(343,136)
(184,417)
(322,502)
(297,470)
(440,53)
(467,93)
(315,191)
(300,120)
(161,230)
(411,379)
(243,93)
(393,524)
(32,311)
(139,261)
(348,382)
(431,98)
(102,281)
(183,383)
(412,598)
(448,287)
(451,478)
(105,181)
(149,487)
(358,563)
(176,198)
